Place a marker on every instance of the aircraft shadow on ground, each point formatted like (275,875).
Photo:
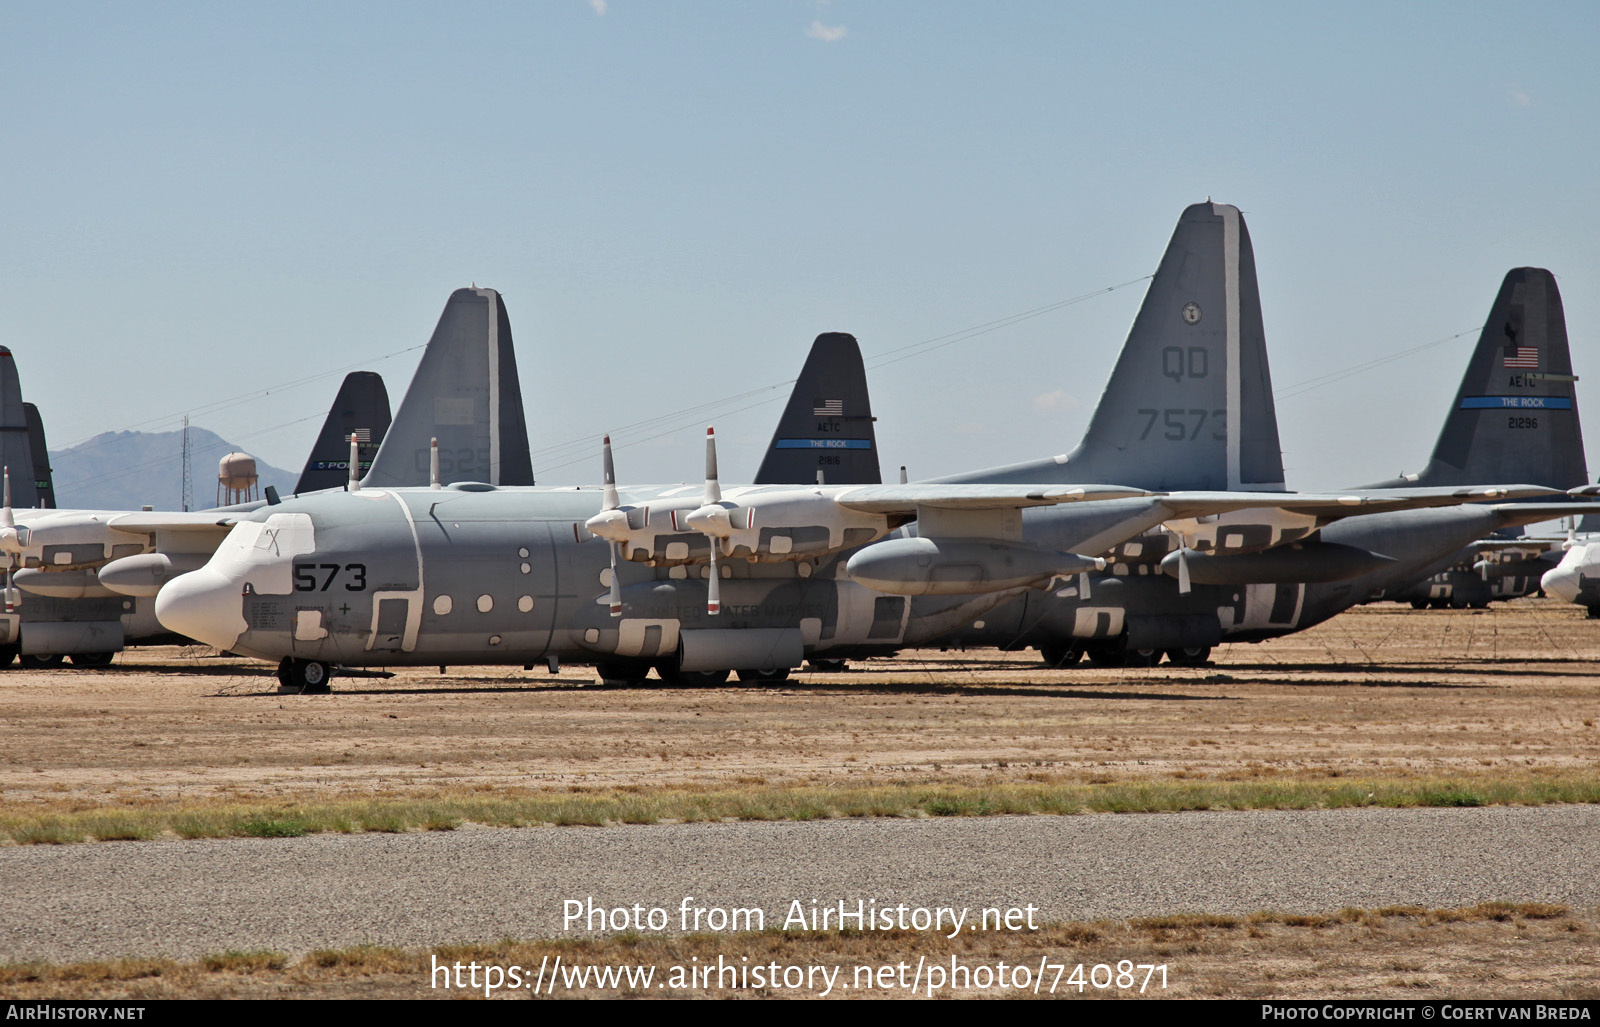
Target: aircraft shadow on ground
(820,688)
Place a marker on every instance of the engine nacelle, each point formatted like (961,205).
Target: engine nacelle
(143,575)
(947,567)
(76,584)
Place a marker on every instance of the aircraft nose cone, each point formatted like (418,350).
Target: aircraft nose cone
(204,605)
(1562,582)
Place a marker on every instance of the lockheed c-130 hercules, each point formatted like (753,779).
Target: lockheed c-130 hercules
(694,581)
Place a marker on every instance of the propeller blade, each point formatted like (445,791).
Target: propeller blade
(6,520)
(713,490)
(433,464)
(714,583)
(1183,571)
(1083,586)
(608,476)
(616,584)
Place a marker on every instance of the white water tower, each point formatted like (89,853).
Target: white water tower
(236,479)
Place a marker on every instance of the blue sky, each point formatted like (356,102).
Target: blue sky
(205,202)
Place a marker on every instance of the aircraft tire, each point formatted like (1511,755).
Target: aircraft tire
(764,677)
(622,672)
(828,666)
(9,653)
(671,675)
(1105,654)
(1060,655)
(1594,612)
(1419,604)
(92,659)
(40,661)
(1191,656)
(1141,657)
(306,677)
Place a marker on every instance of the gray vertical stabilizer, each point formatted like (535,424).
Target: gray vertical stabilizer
(827,426)
(16,453)
(466,394)
(1515,416)
(362,409)
(44,486)
(1189,403)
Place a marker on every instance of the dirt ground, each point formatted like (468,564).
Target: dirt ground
(1380,691)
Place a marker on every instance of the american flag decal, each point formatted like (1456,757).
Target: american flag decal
(828,407)
(1525,356)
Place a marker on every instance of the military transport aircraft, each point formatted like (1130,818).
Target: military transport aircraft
(1138,613)
(90,575)
(1170,374)
(700,580)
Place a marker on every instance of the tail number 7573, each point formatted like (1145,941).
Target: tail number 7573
(319,577)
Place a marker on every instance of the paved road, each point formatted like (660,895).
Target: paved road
(188,898)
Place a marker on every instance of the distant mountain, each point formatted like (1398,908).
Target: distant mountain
(124,470)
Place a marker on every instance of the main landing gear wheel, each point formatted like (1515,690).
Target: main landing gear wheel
(1116,653)
(828,666)
(764,677)
(622,672)
(8,653)
(1141,657)
(41,661)
(670,674)
(1060,655)
(1419,604)
(1190,656)
(305,677)
(92,659)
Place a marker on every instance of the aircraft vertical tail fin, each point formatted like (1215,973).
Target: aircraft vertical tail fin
(361,409)
(16,452)
(466,394)
(1189,402)
(44,485)
(827,426)
(1515,416)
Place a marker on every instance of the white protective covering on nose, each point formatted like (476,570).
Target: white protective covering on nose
(205,605)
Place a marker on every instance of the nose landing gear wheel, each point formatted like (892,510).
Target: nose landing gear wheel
(304,677)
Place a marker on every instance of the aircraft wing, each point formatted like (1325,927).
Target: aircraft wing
(908,499)
(1333,505)
(150,523)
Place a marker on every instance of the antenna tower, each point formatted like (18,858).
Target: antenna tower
(188,482)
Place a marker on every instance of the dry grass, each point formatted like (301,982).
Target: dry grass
(446,812)
(1494,950)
